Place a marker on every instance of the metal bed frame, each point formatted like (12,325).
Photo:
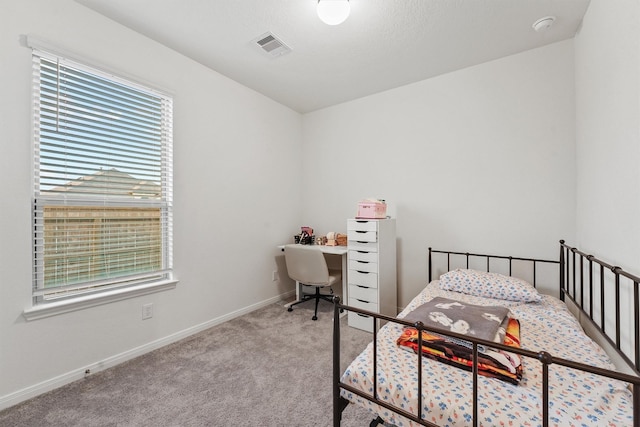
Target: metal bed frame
(578,273)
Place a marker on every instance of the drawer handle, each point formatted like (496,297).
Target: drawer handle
(363,287)
(362,272)
(359,231)
(361,241)
(362,262)
(363,315)
(361,300)
(360,252)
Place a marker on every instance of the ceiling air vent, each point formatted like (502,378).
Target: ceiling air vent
(271,45)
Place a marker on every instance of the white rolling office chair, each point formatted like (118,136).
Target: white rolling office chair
(306,265)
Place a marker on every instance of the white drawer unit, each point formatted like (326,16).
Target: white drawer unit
(362,246)
(362,278)
(364,294)
(363,266)
(372,277)
(362,236)
(363,256)
(360,321)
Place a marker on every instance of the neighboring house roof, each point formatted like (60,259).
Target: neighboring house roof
(111,182)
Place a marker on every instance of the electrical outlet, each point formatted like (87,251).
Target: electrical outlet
(274,276)
(147,311)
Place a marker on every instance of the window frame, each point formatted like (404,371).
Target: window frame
(110,289)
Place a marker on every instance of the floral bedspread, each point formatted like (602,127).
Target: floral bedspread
(576,398)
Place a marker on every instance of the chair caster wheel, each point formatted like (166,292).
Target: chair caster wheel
(314,318)
(289,309)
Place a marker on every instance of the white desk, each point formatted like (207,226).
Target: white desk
(331,250)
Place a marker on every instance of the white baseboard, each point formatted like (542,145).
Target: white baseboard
(77,374)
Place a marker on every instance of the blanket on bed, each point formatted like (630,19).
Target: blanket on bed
(492,363)
(478,321)
(491,323)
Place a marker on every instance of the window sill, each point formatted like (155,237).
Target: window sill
(80,303)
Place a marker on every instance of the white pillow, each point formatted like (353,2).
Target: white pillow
(489,285)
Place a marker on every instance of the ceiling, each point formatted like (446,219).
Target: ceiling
(383,44)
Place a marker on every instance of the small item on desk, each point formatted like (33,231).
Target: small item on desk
(331,239)
(341,239)
(321,240)
(336,239)
(305,237)
(372,209)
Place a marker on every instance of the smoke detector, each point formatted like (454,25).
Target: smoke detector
(271,45)
(543,24)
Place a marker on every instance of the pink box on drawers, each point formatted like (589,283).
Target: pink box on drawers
(372,210)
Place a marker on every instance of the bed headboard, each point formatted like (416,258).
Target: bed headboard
(468,258)
(607,297)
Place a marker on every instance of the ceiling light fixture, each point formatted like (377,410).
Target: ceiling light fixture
(543,24)
(333,12)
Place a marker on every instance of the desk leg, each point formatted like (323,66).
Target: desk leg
(298,294)
(345,283)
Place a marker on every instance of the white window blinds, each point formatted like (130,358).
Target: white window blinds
(102,210)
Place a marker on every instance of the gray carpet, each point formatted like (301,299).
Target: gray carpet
(266,368)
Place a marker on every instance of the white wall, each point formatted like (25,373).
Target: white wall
(607,52)
(235,151)
(478,160)
(607,57)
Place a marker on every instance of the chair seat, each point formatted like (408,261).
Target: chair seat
(306,265)
(335,276)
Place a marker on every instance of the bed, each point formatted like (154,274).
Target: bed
(566,379)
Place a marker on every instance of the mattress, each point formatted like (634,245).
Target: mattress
(575,398)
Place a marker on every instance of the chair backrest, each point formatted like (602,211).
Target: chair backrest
(306,265)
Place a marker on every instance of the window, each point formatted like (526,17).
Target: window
(102,205)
